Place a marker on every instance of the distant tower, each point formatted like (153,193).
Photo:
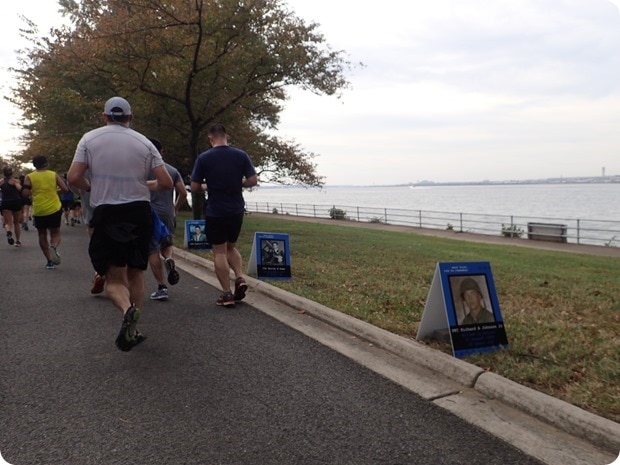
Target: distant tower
(603,171)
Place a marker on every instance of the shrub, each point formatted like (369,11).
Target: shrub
(511,230)
(337,213)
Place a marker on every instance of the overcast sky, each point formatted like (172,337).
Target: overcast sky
(451,90)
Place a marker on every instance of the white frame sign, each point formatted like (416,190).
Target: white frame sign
(463,301)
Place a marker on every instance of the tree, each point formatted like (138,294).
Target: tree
(183,64)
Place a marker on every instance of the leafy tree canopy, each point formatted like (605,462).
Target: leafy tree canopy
(183,65)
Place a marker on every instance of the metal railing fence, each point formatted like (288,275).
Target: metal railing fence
(579,231)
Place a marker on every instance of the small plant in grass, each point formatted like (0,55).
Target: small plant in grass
(376,219)
(511,230)
(337,213)
(274,211)
(450,227)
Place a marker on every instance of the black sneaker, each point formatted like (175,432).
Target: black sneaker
(173,274)
(9,238)
(240,288)
(127,336)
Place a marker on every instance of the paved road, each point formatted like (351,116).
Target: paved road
(209,386)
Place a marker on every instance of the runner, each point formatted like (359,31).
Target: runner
(43,186)
(166,209)
(11,206)
(118,161)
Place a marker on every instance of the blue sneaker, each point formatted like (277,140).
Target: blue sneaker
(50,265)
(160,294)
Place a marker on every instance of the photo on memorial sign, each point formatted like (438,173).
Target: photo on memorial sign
(470,299)
(272,252)
(195,235)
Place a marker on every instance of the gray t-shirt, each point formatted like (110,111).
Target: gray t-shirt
(120,161)
(163,201)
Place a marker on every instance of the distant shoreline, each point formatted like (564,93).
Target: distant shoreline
(564,181)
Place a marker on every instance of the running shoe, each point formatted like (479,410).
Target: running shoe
(160,294)
(226,300)
(98,284)
(18,244)
(139,338)
(173,274)
(9,238)
(50,265)
(127,337)
(240,288)
(55,254)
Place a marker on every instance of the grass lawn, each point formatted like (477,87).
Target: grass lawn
(561,310)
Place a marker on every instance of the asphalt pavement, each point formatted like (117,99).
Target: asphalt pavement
(275,380)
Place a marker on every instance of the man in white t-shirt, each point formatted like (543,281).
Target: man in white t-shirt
(119,161)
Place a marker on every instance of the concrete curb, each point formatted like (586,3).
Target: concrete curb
(599,431)
(567,417)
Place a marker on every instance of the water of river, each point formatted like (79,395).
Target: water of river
(574,201)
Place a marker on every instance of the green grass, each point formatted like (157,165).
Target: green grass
(561,310)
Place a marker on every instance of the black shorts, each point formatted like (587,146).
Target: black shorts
(12,205)
(48,221)
(121,235)
(223,229)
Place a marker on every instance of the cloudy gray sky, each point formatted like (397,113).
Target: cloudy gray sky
(451,90)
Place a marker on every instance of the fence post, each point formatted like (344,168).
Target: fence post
(460,222)
(385,214)
(296,210)
(358,213)
(578,230)
(420,218)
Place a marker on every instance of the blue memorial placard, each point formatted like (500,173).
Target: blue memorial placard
(270,257)
(195,235)
(463,299)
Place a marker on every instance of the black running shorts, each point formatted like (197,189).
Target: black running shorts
(223,229)
(12,205)
(48,221)
(121,235)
